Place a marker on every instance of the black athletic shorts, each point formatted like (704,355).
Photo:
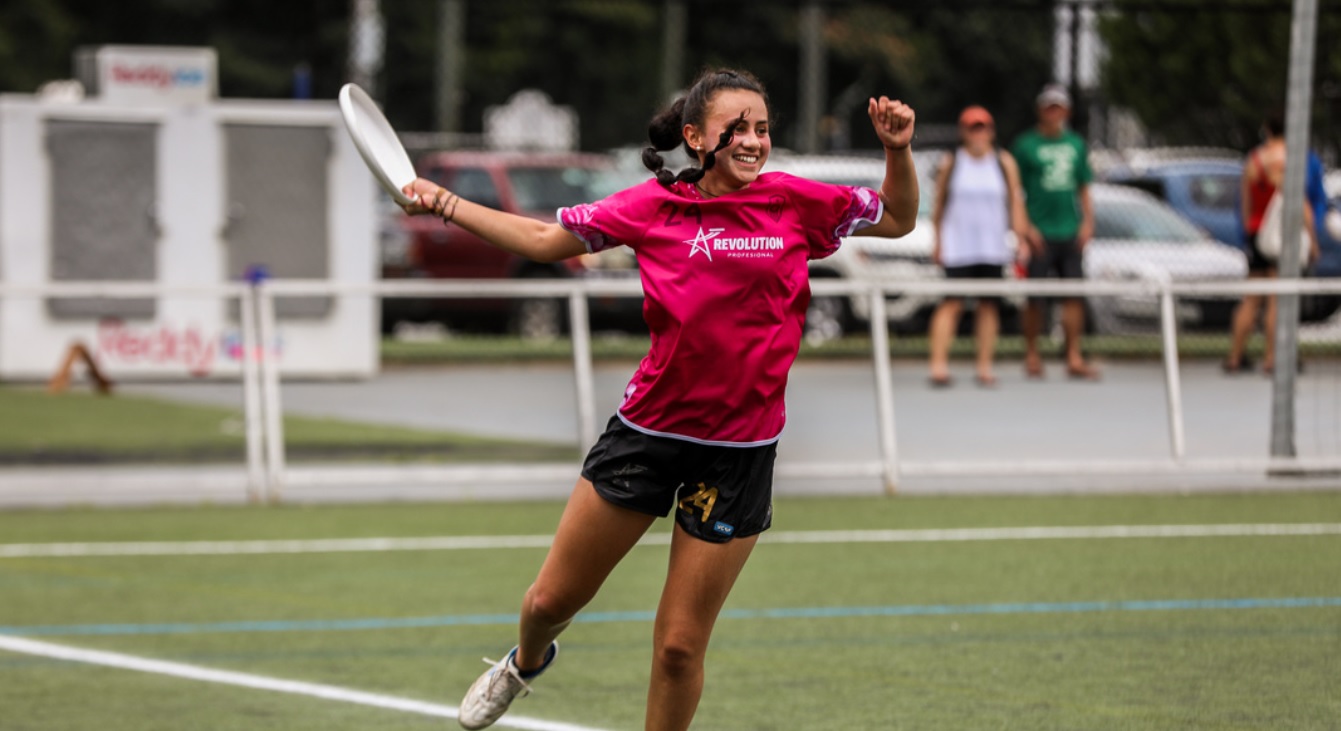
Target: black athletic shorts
(977,271)
(1257,263)
(1060,259)
(718,493)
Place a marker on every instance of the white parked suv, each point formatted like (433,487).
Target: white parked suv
(868,258)
(1137,237)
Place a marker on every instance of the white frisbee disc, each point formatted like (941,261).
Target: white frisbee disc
(376,141)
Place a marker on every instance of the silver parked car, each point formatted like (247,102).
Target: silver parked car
(1139,238)
(867,258)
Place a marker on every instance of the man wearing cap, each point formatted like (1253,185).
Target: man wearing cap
(1055,174)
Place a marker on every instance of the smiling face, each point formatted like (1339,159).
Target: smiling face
(745,113)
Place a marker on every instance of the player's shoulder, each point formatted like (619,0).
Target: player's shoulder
(639,197)
(648,189)
(776,182)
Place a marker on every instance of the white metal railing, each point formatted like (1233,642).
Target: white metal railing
(253,427)
(268,472)
(889,467)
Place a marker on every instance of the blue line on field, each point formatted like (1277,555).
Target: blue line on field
(462,620)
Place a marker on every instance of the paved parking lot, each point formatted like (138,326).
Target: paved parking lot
(832,416)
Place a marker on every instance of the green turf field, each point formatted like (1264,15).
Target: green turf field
(1083,633)
(487,348)
(83,428)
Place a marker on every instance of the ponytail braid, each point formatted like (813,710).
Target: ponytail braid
(666,130)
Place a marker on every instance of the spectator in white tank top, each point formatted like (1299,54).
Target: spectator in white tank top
(978,202)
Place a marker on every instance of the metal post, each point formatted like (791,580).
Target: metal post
(812,84)
(1073,61)
(1061,43)
(674,35)
(451,63)
(1173,387)
(252,413)
(268,352)
(884,390)
(1303,32)
(367,41)
(580,327)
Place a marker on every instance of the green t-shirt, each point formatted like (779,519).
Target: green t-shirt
(1052,171)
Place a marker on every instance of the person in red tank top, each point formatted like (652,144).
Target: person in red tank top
(1257,192)
(1262,174)
(723,250)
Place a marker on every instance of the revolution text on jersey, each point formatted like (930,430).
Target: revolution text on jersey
(725,289)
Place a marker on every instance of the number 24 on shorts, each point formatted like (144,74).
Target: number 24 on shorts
(704,499)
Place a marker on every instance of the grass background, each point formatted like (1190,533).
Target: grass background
(477,348)
(1192,669)
(79,427)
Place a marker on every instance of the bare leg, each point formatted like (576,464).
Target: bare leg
(1031,323)
(986,326)
(943,324)
(1073,325)
(578,563)
(1269,331)
(1245,318)
(700,577)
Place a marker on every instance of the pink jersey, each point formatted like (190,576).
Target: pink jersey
(725,289)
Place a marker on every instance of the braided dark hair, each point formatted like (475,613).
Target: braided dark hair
(666,130)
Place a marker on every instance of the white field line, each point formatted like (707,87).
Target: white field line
(261,682)
(461,543)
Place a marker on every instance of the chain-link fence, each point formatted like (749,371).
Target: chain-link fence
(1166,195)
(531,105)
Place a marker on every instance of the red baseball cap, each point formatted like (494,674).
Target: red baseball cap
(975,115)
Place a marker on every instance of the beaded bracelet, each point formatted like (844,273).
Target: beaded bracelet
(441,209)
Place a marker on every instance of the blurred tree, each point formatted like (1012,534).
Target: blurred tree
(259,43)
(1204,74)
(599,56)
(36,38)
(603,56)
(941,57)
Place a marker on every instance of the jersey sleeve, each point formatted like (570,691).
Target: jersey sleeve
(830,213)
(617,220)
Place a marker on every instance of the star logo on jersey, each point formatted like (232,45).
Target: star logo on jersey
(699,244)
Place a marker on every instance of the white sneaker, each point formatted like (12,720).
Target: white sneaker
(491,694)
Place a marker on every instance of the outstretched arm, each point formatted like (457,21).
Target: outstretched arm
(893,122)
(527,237)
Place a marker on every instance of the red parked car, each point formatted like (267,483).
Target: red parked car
(527,184)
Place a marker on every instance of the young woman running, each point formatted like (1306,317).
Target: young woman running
(722,252)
